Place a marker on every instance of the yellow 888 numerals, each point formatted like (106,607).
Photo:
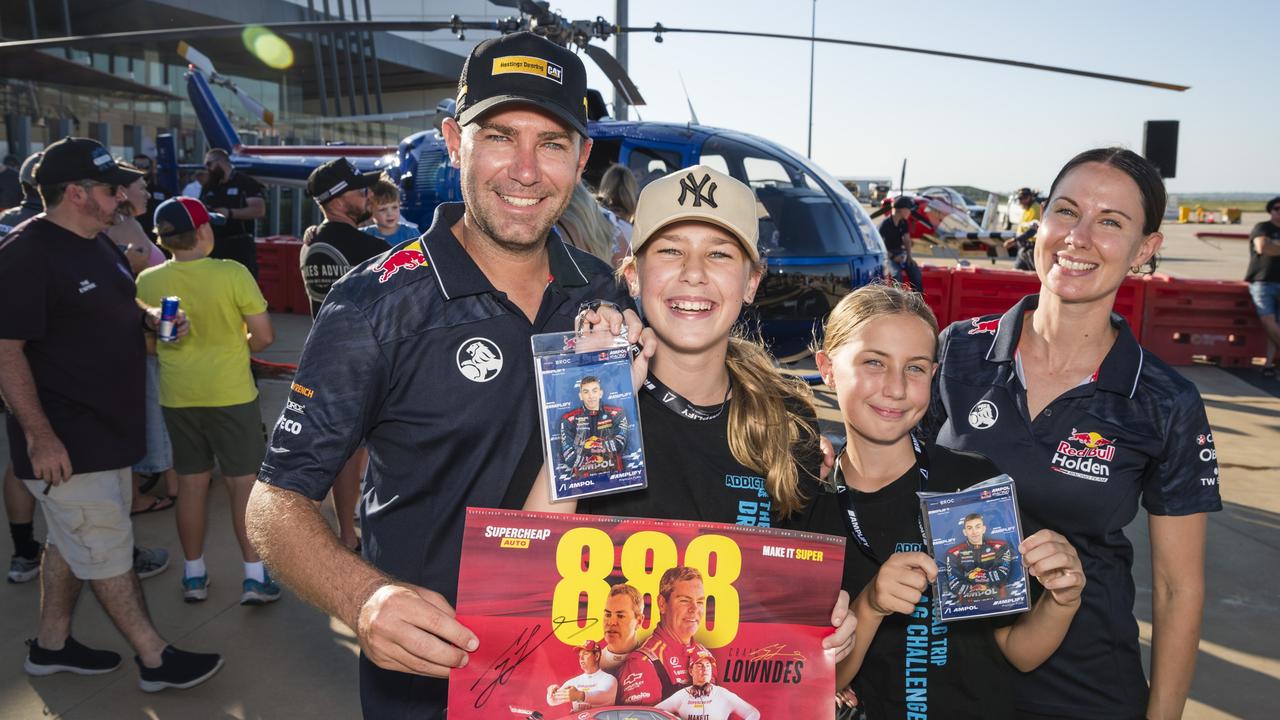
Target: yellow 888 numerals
(590,579)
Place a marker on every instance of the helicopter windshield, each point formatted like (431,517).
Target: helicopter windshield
(798,213)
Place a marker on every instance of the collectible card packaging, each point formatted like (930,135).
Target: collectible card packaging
(973,535)
(578,614)
(590,419)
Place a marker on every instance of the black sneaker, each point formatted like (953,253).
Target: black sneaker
(178,669)
(73,657)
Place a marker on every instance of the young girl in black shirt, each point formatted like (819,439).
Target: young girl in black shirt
(726,437)
(878,357)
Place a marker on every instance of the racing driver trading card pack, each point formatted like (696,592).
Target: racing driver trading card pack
(973,536)
(590,418)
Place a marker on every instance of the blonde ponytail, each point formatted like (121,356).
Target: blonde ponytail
(765,432)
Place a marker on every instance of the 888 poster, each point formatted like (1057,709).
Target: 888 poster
(662,619)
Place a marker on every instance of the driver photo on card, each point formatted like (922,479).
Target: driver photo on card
(977,568)
(593,436)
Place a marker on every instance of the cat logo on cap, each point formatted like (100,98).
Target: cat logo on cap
(529,66)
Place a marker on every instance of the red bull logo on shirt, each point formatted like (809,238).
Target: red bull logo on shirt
(984,326)
(409,257)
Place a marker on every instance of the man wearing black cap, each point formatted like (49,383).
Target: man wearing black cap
(238,198)
(422,353)
(73,436)
(342,193)
(897,243)
(31,204)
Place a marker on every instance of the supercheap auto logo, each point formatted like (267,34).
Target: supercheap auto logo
(512,537)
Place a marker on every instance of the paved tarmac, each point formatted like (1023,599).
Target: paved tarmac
(288,661)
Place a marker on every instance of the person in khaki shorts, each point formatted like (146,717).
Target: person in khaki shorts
(207,393)
(72,371)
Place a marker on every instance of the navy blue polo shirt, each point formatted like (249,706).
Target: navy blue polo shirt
(1136,431)
(416,354)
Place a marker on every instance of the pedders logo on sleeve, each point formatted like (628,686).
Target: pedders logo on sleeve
(1086,455)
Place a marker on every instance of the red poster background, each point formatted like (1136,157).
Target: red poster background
(786,588)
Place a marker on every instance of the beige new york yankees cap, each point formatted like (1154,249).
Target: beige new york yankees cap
(698,193)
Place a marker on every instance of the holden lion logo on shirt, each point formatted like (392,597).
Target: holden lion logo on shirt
(983,415)
(1085,455)
(479,359)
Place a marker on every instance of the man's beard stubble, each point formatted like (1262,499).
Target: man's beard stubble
(485,222)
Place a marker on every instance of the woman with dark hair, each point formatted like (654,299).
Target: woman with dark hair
(1058,393)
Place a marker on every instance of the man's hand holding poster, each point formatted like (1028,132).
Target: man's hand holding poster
(696,620)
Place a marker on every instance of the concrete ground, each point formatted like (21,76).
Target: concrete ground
(287,660)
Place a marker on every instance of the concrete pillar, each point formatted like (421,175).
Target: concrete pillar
(133,136)
(17,129)
(59,128)
(101,131)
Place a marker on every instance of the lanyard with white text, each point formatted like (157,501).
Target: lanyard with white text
(851,513)
(677,404)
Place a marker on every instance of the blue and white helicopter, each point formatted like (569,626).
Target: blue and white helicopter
(817,240)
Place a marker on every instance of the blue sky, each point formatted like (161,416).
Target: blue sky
(970,123)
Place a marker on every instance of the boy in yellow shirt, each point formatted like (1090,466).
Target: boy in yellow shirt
(207,392)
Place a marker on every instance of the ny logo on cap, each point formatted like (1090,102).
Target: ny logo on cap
(689,185)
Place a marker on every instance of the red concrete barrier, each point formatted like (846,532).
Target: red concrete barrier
(1201,321)
(936,280)
(979,291)
(278,274)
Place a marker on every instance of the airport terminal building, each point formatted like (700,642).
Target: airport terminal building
(320,87)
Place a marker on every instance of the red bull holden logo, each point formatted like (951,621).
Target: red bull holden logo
(1085,455)
(984,326)
(409,257)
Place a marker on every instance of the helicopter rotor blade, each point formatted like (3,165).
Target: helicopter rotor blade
(616,73)
(661,30)
(308,26)
(196,58)
(254,107)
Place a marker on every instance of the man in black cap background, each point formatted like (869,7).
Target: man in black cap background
(337,245)
(72,436)
(238,198)
(329,251)
(422,354)
(897,243)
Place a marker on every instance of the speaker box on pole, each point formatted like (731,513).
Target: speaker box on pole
(1160,145)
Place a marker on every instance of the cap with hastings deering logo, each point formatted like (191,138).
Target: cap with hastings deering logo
(523,68)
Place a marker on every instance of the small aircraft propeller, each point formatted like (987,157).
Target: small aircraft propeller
(202,62)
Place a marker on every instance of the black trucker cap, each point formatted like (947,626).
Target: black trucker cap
(73,159)
(523,68)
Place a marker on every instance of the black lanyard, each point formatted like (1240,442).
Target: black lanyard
(676,403)
(851,513)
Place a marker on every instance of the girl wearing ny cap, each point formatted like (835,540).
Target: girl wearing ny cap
(727,437)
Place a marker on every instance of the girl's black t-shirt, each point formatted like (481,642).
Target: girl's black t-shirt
(918,668)
(692,475)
